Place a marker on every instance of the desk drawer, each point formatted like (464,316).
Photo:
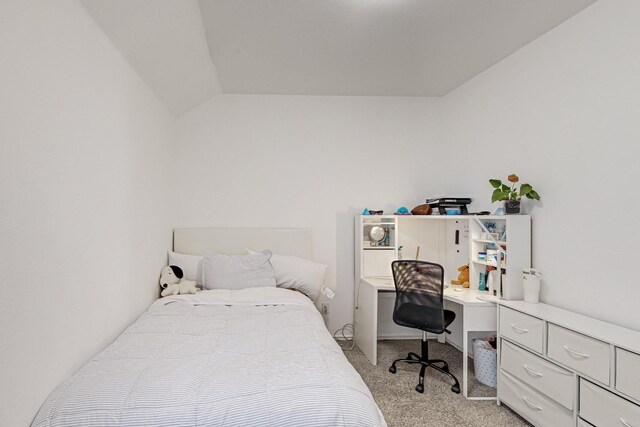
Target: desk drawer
(628,373)
(586,355)
(603,408)
(521,328)
(552,380)
(531,404)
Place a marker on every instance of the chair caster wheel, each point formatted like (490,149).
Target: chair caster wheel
(392,369)
(455,388)
(420,388)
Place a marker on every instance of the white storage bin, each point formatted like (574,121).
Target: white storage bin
(485,362)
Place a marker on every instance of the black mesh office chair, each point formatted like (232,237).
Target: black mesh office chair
(419,304)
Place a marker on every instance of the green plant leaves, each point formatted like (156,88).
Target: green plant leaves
(498,194)
(495,183)
(525,189)
(533,195)
(504,192)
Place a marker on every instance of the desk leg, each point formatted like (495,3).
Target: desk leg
(366,322)
(476,319)
(465,362)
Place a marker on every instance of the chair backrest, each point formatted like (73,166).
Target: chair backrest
(419,299)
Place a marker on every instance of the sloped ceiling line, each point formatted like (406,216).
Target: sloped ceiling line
(319,47)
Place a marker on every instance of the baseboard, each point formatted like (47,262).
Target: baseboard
(392,337)
(402,337)
(405,337)
(345,338)
(386,337)
(456,346)
(399,337)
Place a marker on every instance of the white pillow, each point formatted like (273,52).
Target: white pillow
(191,265)
(238,271)
(298,273)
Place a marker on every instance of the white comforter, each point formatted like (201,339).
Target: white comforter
(254,357)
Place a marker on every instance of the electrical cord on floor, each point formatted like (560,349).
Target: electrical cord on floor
(343,337)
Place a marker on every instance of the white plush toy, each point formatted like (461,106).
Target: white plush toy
(173,283)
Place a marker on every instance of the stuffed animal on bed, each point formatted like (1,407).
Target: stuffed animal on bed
(172,282)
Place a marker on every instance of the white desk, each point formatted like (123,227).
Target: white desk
(478,315)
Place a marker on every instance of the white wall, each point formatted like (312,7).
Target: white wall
(564,114)
(86,168)
(561,112)
(312,162)
(84,222)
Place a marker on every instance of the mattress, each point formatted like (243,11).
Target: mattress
(251,357)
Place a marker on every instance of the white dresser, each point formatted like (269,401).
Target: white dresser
(559,368)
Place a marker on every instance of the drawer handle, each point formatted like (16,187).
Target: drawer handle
(577,353)
(625,422)
(532,372)
(536,407)
(519,329)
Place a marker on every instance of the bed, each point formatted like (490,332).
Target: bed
(251,357)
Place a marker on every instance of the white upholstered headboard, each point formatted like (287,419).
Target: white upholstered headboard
(235,241)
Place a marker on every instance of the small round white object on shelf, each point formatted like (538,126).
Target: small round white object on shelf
(377,234)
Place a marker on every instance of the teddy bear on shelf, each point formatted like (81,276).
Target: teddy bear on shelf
(172,282)
(463,277)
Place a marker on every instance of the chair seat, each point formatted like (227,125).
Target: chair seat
(423,318)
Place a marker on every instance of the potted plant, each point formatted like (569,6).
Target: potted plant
(512,195)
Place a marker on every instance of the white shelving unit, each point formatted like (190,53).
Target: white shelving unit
(449,240)
(375,261)
(513,242)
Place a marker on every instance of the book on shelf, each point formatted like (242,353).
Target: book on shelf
(447,200)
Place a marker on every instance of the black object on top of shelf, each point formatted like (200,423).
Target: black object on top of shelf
(450,202)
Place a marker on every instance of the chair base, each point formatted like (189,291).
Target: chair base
(425,362)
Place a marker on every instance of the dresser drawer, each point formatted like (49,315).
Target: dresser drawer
(603,408)
(521,328)
(532,404)
(586,355)
(628,373)
(552,380)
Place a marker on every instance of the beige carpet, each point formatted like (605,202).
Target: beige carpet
(402,406)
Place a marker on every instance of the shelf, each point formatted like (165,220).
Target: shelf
(500,242)
(379,248)
(490,264)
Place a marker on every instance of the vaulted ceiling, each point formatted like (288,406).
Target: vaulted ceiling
(164,41)
(189,51)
